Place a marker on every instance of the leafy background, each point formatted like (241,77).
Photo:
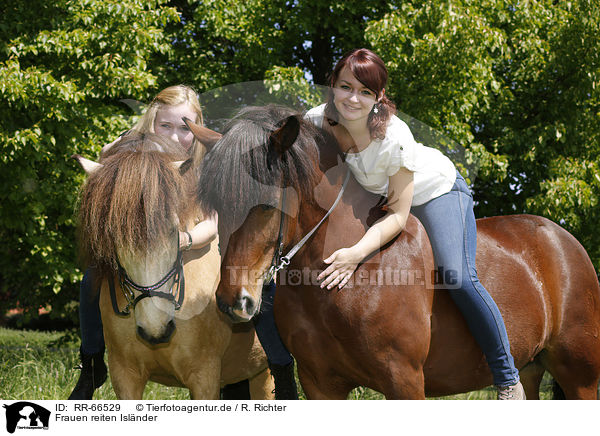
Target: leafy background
(515,83)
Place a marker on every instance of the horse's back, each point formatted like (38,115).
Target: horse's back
(537,256)
(546,288)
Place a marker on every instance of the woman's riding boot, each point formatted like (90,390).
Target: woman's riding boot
(285,382)
(93,375)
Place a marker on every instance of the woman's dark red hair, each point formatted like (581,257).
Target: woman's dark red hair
(369,69)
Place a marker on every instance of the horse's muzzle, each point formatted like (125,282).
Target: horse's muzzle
(163,339)
(243,310)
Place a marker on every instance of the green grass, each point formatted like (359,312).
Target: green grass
(488,393)
(40,366)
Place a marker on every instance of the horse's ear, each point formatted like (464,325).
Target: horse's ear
(284,137)
(183,165)
(203,134)
(89,166)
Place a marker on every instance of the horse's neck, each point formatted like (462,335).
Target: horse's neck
(330,154)
(351,217)
(357,210)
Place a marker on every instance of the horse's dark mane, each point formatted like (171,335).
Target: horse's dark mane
(132,201)
(241,170)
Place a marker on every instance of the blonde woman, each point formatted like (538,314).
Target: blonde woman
(163,117)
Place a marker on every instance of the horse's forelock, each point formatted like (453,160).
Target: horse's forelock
(131,204)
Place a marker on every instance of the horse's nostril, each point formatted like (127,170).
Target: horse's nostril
(170,328)
(169,331)
(142,334)
(223,307)
(244,307)
(248,304)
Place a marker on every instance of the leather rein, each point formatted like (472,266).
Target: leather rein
(128,287)
(280,262)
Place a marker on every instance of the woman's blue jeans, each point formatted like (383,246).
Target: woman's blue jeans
(266,330)
(90,322)
(450,224)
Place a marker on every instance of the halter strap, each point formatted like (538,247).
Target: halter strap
(279,262)
(127,285)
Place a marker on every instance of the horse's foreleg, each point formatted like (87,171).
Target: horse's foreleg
(323,387)
(262,386)
(205,391)
(531,378)
(127,383)
(405,383)
(203,380)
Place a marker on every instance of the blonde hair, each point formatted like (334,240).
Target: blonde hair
(172,96)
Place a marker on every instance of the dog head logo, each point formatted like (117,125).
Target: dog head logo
(26,415)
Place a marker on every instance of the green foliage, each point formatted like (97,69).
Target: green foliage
(516,84)
(219,42)
(61,77)
(440,57)
(290,86)
(33,366)
(319,32)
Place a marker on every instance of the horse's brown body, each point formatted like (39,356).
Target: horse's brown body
(408,341)
(546,288)
(395,333)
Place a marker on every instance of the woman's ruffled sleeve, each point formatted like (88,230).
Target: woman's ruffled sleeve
(402,147)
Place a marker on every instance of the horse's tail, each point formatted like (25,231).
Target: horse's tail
(557,392)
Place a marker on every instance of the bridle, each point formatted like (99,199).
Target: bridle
(128,287)
(280,262)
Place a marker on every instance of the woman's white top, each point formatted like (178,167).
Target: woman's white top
(434,173)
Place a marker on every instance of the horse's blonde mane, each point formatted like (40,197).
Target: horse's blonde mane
(133,201)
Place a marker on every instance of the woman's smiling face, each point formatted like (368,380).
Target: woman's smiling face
(352,99)
(169,123)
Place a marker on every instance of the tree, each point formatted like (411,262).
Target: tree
(517,86)
(219,42)
(64,67)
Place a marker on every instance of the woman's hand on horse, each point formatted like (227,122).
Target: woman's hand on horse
(342,264)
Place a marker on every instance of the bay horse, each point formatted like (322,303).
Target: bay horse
(132,206)
(273,176)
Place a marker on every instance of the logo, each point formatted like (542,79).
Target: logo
(26,415)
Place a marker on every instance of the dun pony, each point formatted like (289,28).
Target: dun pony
(131,210)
